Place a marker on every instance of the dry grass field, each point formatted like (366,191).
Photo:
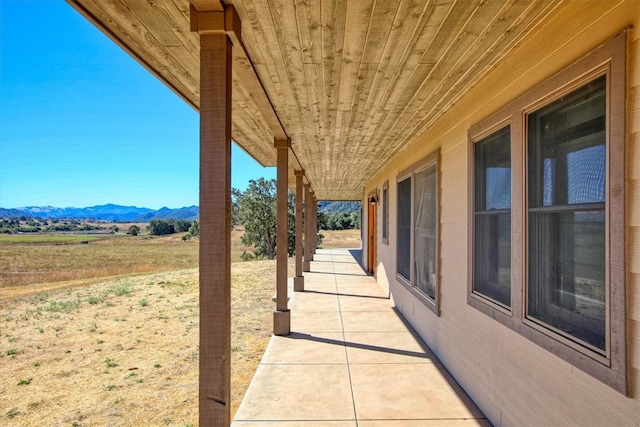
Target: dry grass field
(119,350)
(335,239)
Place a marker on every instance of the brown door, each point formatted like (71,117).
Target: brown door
(371,238)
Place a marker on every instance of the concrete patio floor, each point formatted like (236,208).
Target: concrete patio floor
(351,360)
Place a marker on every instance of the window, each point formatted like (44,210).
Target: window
(404,229)
(566,153)
(385,213)
(417,231)
(492,217)
(547,217)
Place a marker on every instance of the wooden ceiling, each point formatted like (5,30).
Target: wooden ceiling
(351,82)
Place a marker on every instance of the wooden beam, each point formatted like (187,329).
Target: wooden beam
(215,224)
(306,264)
(282,315)
(314,224)
(298,280)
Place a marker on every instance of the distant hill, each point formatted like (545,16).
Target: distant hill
(188,213)
(338,207)
(108,212)
(111,212)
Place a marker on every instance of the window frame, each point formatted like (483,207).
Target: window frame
(385,212)
(477,134)
(430,161)
(608,59)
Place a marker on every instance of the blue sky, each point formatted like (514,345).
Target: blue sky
(83,124)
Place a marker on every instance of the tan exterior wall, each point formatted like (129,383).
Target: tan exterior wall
(513,380)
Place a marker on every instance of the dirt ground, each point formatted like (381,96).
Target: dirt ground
(123,350)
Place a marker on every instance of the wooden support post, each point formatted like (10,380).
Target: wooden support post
(282,315)
(298,280)
(215,213)
(314,224)
(306,265)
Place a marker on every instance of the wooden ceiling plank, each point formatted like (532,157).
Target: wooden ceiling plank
(255,91)
(180,24)
(381,24)
(309,23)
(517,28)
(156,26)
(356,123)
(357,24)
(458,51)
(249,33)
(383,19)
(313,74)
(353,82)
(503,33)
(289,39)
(441,48)
(308,18)
(250,132)
(258,18)
(397,51)
(333,17)
(208,5)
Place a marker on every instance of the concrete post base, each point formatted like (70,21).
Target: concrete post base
(306,266)
(298,283)
(282,323)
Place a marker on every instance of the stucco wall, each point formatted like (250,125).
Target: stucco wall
(513,380)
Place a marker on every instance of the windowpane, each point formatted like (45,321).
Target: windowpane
(385,213)
(404,229)
(426,231)
(567,149)
(492,261)
(566,171)
(567,273)
(493,171)
(492,245)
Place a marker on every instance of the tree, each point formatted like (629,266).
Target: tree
(257,212)
(236,195)
(159,227)
(134,230)
(194,230)
(181,225)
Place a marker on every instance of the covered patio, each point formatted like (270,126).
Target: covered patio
(375,101)
(350,360)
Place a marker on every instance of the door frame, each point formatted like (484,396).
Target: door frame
(372,226)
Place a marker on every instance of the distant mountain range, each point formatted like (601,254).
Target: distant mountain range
(111,212)
(108,212)
(338,207)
